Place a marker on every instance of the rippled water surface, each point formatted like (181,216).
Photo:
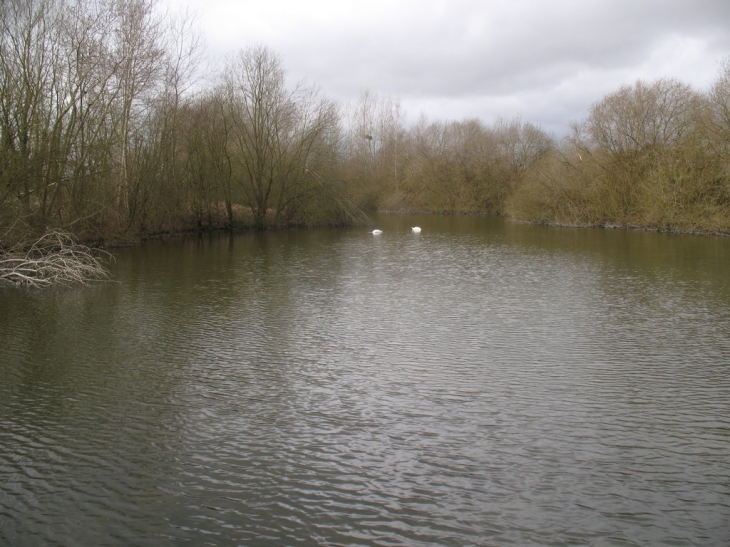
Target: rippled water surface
(479,383)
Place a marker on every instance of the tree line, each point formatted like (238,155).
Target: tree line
(652,154)
(108,131)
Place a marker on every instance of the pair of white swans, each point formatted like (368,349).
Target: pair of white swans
(415,230)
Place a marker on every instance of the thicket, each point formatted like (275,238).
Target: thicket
(653,155)
(108,130)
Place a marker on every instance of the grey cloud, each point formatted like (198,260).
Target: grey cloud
(470,56)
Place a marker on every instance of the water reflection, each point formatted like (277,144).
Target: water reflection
(479,383)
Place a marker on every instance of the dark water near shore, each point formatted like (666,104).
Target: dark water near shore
(479,383)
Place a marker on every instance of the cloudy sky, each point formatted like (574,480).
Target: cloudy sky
(545,61)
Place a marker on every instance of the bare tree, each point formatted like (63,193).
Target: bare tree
(522,144)
(718,115)
(77,82)
(215,132)
(374,131)
(276,131)
(138,46)
(636,119)
(28,44)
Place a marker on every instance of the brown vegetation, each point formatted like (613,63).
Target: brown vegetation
(103,134)
(653,155)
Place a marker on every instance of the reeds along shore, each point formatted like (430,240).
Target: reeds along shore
(107,131)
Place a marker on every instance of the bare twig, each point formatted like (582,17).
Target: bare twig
(56,258)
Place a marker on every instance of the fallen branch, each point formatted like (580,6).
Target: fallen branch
(56,258)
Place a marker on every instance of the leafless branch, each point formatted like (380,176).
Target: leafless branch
(56,258)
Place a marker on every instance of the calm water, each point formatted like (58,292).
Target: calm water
(480,383)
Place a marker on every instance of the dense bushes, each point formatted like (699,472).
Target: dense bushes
(653,155)
(467,167)
(102,134)
(106,132)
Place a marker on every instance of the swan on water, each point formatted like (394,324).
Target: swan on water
(416,229)
(376,232)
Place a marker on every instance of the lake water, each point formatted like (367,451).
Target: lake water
(480,383)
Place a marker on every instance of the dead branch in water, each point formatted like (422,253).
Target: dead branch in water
(56,258)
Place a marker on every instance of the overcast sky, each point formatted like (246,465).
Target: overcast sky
(545,61)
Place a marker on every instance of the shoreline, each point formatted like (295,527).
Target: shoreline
(597,225)
(115,242)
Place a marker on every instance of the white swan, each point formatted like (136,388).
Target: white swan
(416,229)
(376,232)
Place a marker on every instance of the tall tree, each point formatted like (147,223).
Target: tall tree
(277,132)
(138,46)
